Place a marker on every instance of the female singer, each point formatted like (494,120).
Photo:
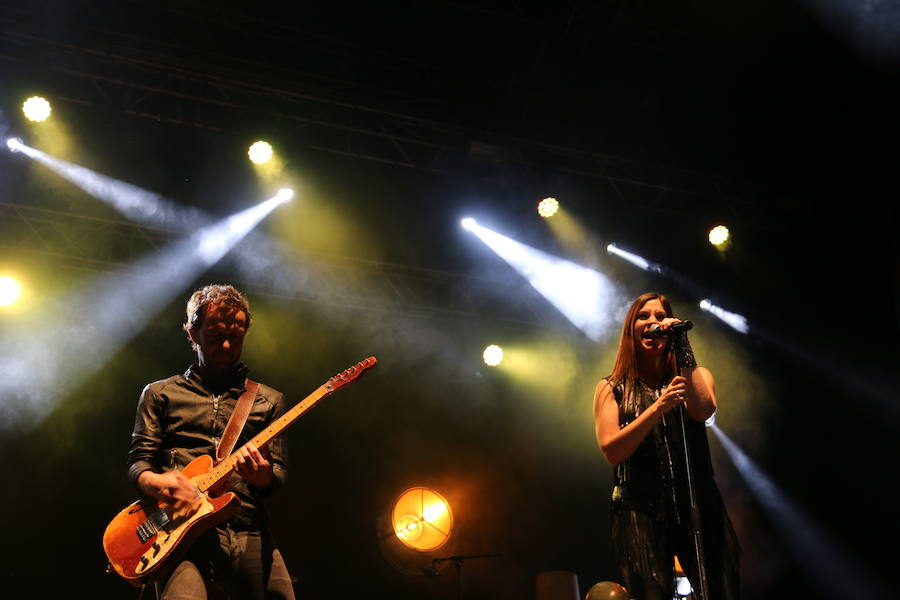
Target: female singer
(656,391)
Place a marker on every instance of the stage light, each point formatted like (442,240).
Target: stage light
(14,144)
(36,109)
(548,207)
(260,152)
(733,320)
(492,355)
(9,291)
(422,519)
(587,298)
(719,235)
(434,512)
(284,195)
(468,224)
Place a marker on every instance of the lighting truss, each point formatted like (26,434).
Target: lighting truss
(101,245)
(200,92)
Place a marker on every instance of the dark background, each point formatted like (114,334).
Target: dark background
(651,122)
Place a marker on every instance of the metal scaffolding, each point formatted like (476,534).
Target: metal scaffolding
(153,77)
(103,245)
(198,87)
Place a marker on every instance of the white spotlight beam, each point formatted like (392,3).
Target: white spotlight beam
(733,320)
(69,342)
(634,259)
(151,209)
(836,574)
(869,29)
(587,298)
(214,241)
(137,204)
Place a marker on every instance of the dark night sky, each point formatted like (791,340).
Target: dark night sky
(791,111)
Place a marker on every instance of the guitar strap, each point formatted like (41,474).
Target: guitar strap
(237,420)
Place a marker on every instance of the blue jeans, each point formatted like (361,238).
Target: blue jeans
(229,565)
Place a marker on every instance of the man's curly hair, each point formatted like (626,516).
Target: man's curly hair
(216,294)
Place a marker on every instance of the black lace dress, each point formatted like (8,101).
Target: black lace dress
(651,516)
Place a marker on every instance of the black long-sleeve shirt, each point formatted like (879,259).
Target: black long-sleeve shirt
(182,417)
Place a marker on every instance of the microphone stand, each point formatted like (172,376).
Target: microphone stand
(696,526)
(458,563)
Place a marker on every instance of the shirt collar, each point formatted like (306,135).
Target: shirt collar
(233,381)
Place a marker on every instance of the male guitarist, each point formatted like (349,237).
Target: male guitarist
(183,417)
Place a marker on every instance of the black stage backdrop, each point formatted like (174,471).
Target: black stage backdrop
(394,120)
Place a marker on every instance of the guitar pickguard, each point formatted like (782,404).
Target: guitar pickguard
(168,536)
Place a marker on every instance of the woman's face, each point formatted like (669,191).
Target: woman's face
(650,313)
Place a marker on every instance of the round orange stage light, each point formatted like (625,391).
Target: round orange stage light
(422,519)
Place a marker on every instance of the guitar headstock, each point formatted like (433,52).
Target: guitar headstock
(345,377)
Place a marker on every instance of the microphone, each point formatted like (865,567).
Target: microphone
(655,331)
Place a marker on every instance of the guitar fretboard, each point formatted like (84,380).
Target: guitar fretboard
(224,468)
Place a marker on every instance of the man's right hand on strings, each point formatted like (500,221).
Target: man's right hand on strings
(172,489)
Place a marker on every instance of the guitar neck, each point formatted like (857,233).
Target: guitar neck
(223,470)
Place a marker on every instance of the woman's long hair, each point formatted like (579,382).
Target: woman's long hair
(625,366)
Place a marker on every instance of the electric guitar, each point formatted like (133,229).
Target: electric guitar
(146,537)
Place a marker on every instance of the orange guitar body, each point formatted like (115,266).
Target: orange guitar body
(144,540)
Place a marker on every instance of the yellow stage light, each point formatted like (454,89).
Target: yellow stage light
(548,207)
(718,235)
(9,291)
(36,109)
(422,519)
(493,355)
(260,152)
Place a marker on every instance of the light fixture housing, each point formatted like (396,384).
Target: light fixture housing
(422,519)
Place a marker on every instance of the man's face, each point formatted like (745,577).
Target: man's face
(220,337)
